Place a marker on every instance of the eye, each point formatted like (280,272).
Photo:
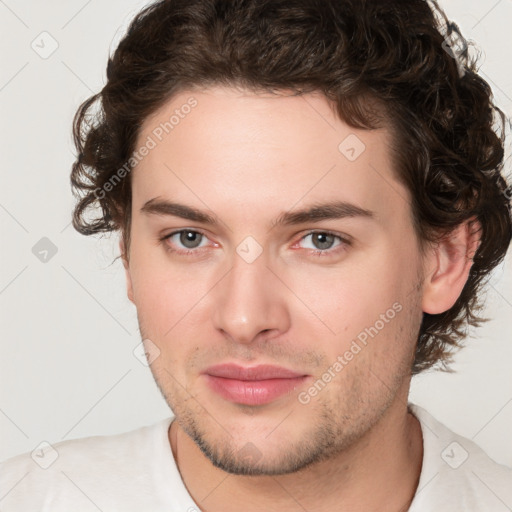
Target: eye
(186,241)
(322,242)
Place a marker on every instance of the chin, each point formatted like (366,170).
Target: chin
(263,456)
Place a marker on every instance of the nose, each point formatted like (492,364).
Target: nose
(250,301)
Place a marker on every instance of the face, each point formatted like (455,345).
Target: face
(276,274)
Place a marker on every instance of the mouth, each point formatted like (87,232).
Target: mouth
(257,385)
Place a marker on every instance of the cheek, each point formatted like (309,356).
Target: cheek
(374,312)
(163,293)
(354,295)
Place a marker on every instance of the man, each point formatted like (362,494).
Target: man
(309,195)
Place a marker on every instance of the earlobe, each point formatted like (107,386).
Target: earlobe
(447,267)
(124,257)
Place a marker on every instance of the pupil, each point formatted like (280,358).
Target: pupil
(190,239)
(324,241)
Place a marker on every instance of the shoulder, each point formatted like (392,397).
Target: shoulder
(456,473)
(71,471)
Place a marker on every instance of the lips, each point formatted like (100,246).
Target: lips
(256,385)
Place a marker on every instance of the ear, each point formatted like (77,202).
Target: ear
(448,264)
(126,264)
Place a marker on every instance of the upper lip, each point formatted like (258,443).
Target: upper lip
(261,372)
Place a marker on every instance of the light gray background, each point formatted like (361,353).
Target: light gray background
(68,330)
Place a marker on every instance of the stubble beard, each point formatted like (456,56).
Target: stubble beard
(326,438)
(342,419)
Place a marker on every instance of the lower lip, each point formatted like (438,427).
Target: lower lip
(253,392)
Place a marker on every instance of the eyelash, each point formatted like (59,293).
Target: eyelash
(181,252)
(344,243)
(342,246)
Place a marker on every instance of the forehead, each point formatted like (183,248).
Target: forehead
(271,150)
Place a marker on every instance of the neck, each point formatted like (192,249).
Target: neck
(380,472)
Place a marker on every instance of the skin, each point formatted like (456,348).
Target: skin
(246,158)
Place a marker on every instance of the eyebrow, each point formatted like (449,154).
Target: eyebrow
(324,211)
(158,206)
(314,213)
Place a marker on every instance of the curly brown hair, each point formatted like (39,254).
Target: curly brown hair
(403,56)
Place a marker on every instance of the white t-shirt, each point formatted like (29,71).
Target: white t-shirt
(136,472)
